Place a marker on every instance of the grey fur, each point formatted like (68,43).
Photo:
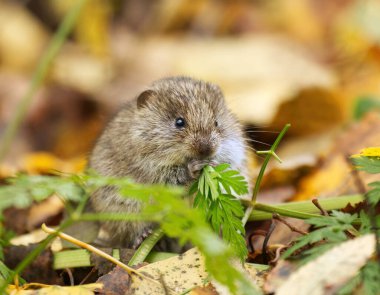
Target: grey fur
(142,142)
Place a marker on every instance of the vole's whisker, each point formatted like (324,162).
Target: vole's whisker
(261,131)
(254,151)
(258,141)
(257,127)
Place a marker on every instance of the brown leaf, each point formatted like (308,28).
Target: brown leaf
(116,282)
(40,270)
(278,275)
(310,111)
(207,290)
(333,176)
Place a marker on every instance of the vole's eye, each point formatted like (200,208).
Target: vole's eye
(216,123)
(180,122)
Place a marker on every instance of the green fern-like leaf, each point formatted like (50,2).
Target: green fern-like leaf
(215,197)
(367,164)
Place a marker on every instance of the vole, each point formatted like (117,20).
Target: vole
(166,135)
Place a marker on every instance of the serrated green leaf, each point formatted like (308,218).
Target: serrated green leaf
(193,188)
(211,183)
(373,196)
(233,181)
(367,164)
(222,167)
(224,211)
(371,278)
(332,233)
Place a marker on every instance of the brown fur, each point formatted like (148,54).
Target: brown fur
(142,142)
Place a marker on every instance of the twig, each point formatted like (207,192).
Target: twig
(258,232)
(316,203)
(90,248)
(88,275)
(278,254)
(266,240)
(70,274)
(291,227)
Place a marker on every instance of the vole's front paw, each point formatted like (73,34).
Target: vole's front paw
(146,233)
(196,166)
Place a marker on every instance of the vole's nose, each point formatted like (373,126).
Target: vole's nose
(204,148)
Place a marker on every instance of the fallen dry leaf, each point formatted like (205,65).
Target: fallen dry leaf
(116,282)
(43,163)
(178,274)
(331,270)
(56,290)
(279,275)
(39,270)
(206,290)
(312,110)
(253,81)
(333,176)
(20,30)
(46,211)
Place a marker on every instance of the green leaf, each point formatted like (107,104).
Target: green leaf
(5,273)
(222,167)
(232,180)
(364,105)
(225,217)
(373,196)
(367,164)
(371,278)
(223,211)
(331,230)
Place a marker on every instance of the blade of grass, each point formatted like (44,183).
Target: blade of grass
(38,76)
(146,246)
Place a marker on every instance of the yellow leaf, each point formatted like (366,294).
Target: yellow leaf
(370,152)
(42,162)
(30,289)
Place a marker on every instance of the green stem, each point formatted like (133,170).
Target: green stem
(269,155)
(146,246)
(266,161)
(39,75)
(303,209)
(284,212)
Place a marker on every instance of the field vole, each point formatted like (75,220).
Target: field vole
(166,135)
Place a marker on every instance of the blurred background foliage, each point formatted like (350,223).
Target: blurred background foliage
(313,63)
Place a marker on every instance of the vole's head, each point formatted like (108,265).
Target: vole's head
(180,119)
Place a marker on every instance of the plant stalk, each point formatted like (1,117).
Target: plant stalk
(146,246)
(269,155)
(303,209)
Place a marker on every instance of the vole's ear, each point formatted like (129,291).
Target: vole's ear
(144,97)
